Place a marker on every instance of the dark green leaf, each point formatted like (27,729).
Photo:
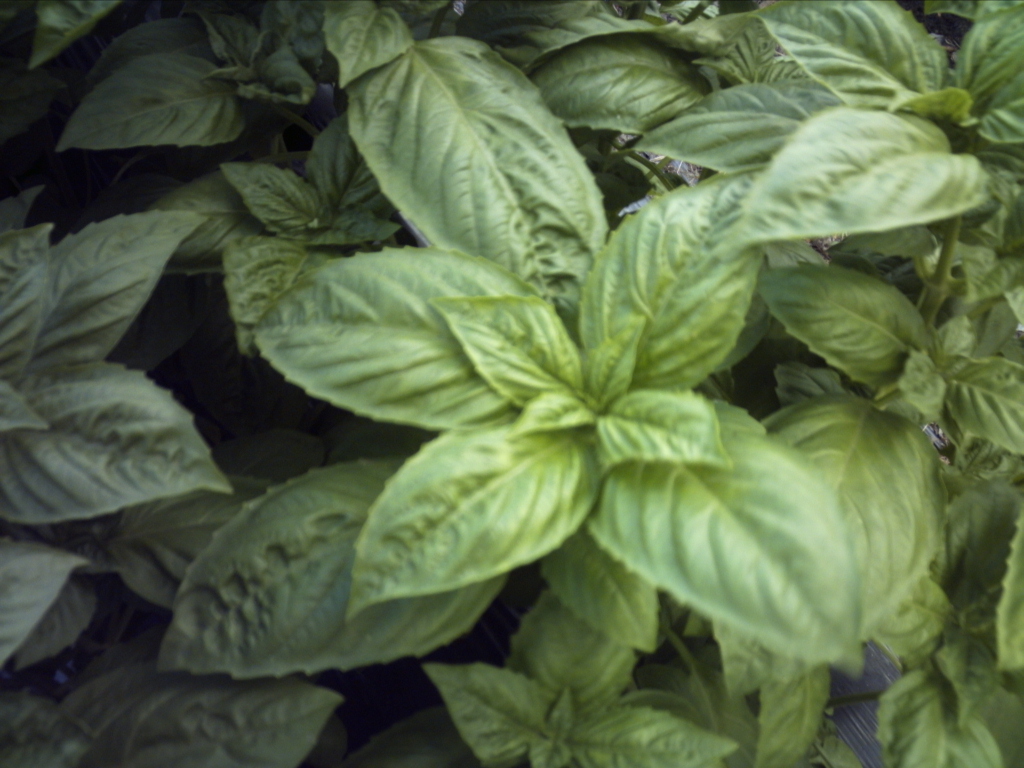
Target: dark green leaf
(362,36)
(25,96)
(33,732)
(14,210)
(428,739)
(184,35)
(339,174)
(275,455)
(24,295)
(15,412)
(1010,612)
(797,382)
(60,626)
(282,200)
(61,22)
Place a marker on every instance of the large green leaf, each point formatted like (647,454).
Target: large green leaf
(362,334)
(100,278)
(1010,612)
(31,578)
(141,719)
(462,143)
(791,712)
(561,651)
(849,170)
(603,592)
(517,344)
(428,739)
(115,439)
(469,506)
(65,619)
(184,34)
(24,295)
(60,22)
(739,128)
(652,425)
(362,36)
(156,99)
(660,266)
(745,546)
(33,732)
(871,54)
(25,96)
(886,473)
(618,83)
(856,322)
(268,595)
(986,398)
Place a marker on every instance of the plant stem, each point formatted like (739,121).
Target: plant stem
(680,647)
(853,698)
(295,119)
(437,21)
(659,173)
(937,287)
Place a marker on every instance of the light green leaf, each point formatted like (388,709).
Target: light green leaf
(115,439)
(849,170)
(652,425)
(493,177)
(61,22)
(739,128)
(797,382)
(956,338)
(363,36)
(603,592)
(361,333)
(517,344)
(986,398)
(661,265)
(469,506)
(608,367)
(31,578)
(745,545)
(886,474)
(949,105)
(154,543)
(499,713)
(33,732)
(15,413)
(641,737)
(618,83)
(141,718)
(872,55)
(856,322)
(65,619)
(791,712)
(913,630)
(428,739)
(1003,122)
(988,57)
(100,278)
(560,651)
(293,549)
(922,386)
(24,295)
(14,210)
(25,96)
(1010,611)
(552,412)
(153,100)
(281,199)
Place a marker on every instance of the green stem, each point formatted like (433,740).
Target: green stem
(853,698)
(658,172)
(437,21)
(696,12)
(282,157)
(680,647)
(937,289)
(294,119)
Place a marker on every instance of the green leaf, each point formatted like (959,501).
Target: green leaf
(603,592)
(339,173)
(552,412)
(275,455)
(922,386)
(156,99)
(363,36)
(100,278)
(115,439)
(492,177)
(850,170)
(791,712)
(1004,120)
(641,737)
(65,619)
(293,551)
(739,128)
(154,543)
(987,60)
(34,732)
(652,425)
(618,83)
(61,22)
(797,382)
(499,713)
(744,545)
(281,199)
(986,398)
(184,35)
(872,55)
(748,665)
(428,739)
(608,369)
(361,333)
(913,630)
(233,38)
(949,104)
(15,412)
(560,651)
(24,295)
(469,506)
(31,578)
(969,664)
(14,210)
(140,718)
(25,96)
(1010,611)
(856,322)
(969,9)
(886,474)
(750,57)
(660,266)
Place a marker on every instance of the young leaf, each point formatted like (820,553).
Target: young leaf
(618,83)
(986,398)
(268,595)
(560,651)
(856,322)
(24,295)
(652,425)
(744,545)
(31,578)
(14,210)
(517,344)
(1010,611)
(281,199)
(791,712)
(60,626)
(603,592)
(486,175)
(156,99)
(361,333)
(661,265)
(115,439)
(33,731)
(739,128)
(552,412)
(363,36)
(851,170)
(469,506)
(608,369)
